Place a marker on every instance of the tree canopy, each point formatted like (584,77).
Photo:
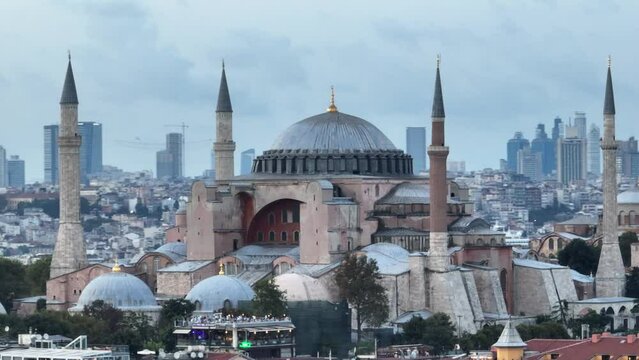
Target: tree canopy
(580,257)
(269,299)
(18,280)
(358,280)
(436,331)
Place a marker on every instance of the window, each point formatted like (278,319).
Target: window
(271,219)
(284,216)
(284,236)
(296,236)
(156,263)
(551,244)
(554,356)
(271,236)
(260,236)
(296,214)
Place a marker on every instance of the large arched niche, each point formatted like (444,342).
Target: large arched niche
(247,208)
(277,223)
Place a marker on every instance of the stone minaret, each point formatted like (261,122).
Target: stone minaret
(610,279)
(437,154)
(224,145)
(70,251)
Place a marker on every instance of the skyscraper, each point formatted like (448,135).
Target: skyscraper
(70,250)
(627,158)
(416,147)
(543,145)
(169,160)
(247,161)
(571,160)
(4,175)
(580,124)
(529,164)
(557,130)
(594,150)
(515,144)
(91,149)
(15,171)
(51,154)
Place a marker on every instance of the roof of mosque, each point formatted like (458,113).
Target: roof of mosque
(211,293)
(121,290)
(407,193)
(628,197)
(175,250)
(301,287)
(333,131)
(391,259)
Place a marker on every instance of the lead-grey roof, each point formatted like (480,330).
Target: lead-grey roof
(186,266)
(212,292)
(333,131)
(223,97)
(391,259)
(438,99)
(407,193)
(509,338)
(69,94)
(175,251)
(609,102)
(121,290)
(628,197)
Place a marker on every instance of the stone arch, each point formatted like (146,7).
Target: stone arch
(271,226)
(621,311)
(610,311)
(632,218)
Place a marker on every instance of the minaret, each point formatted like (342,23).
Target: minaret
(70,251)
(224,145)
(610,278)
(437,154)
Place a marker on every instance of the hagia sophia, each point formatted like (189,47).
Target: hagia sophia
(331,184)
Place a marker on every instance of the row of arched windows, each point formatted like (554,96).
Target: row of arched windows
(283,236)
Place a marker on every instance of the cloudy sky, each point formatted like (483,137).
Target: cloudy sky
(141,66)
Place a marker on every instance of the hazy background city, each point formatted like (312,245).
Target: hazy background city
(143,65)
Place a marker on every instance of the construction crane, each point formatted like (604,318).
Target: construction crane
(183,126)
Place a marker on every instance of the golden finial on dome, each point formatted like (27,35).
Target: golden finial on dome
(116,266)
(221,270)
(331,106)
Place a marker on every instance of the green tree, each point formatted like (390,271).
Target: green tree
(625,240)
(436,331)
(172,310)
(12,283)
(358,280)
(545,330)
(632,283)
(100,310)
(269,299)
(41,304)
(579,256)
(37,275)
(483,339)
(595,320)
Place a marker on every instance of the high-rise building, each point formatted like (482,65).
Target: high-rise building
(91,149)
(543,145)
(4,176)
(169,160)
(15,172)
(529,164)
(627,158)
(246,161)
(557,130)
(416,147)
(51,133)
(594,150)
(580,124)
(571,160)
(518,142)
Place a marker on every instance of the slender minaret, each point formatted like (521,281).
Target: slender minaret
(437,154)
(224,145)
(70,251)
(610,279)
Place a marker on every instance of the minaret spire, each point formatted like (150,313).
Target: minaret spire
(69,94)
(223,97)
(610,278)
(438,99)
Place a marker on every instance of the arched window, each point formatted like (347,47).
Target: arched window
(480,242)
(271,219)
(284,236)
(227,305)
(156,263)
(502,280)
(296,236)
(235,243)
(260,236)
(493,242)
(271,236)
(376,190)
(551,244)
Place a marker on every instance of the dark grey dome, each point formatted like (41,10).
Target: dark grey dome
(331,131)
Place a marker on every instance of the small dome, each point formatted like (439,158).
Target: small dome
(121,290)
(333,131)
(174,250)
(211,293)
(628,197)
(300,287)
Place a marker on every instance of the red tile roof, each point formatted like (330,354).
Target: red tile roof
(605,344)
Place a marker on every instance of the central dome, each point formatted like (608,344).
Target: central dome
(333,131)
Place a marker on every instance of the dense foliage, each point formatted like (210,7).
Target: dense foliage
(482,340)
(269,299)
(580,257)
(358,280)
(437,331)
(18,280)
(632,283)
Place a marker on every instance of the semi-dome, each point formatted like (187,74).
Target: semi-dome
(301,287)
(333,131)
(214,293)
(333,143)
(120,290)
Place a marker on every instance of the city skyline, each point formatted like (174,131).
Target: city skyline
(499,88)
